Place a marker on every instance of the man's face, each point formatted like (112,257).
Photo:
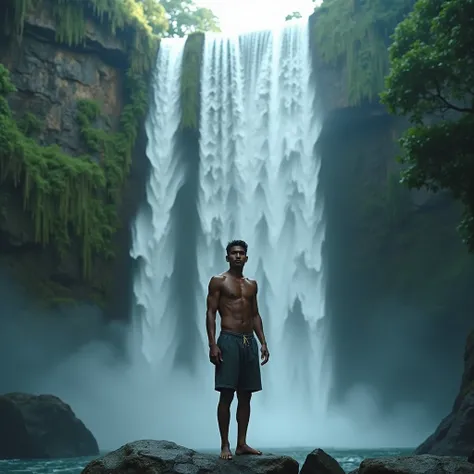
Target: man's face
(237,256)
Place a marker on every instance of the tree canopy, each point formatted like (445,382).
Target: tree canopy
(293,15)
(178,17)
(185,17)
(432,83)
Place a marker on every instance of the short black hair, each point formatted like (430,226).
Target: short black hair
(236,243)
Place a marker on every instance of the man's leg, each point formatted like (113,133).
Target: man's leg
(227,376)
(223,418)
(243,417)
(249,382)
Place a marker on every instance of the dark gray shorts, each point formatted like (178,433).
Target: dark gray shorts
(240,368)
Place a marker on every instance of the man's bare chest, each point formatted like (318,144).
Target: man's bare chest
(239,290)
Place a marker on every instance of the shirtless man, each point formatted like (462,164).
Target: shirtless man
(235,353)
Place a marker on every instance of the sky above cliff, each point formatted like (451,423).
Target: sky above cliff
(250,15)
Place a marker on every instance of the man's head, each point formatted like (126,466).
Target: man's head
(237,253)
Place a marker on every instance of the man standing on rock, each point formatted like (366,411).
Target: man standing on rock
(235,353)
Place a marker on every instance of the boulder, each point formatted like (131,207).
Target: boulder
(165,457)
(319,462)
(455,434)
(417,464)
(471,457)
(41,427)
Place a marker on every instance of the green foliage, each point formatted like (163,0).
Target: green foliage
(293,15)
(72,197)
(124,19)
(190,81)
(30,125)
(60,192)
(156,15)
(78,197)
(355,34)
(185,17)
(431,83)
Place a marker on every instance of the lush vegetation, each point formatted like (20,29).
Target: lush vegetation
(125,19)
(185,17)
(138,21)
(74,198)
(431,81)
(70,197)
(354,35)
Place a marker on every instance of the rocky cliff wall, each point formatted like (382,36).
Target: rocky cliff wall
(51,80)
(398,276)
(455,434)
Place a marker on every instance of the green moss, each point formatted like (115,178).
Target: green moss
(123,19)
(354,35)
(72,197)
(30,125)
(190,81)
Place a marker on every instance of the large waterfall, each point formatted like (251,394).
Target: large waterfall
(257,180)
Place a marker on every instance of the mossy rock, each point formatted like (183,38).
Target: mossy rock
(191,81)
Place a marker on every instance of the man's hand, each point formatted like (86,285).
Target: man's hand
(215,354)
(265,354)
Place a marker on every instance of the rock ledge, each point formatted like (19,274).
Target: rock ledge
(166,457)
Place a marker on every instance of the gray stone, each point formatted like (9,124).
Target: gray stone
(319,462)
(42,426)
(421,464)
(165,457)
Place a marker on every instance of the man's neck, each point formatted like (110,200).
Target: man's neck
(236,272)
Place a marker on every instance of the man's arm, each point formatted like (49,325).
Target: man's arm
(258,328)
(258,323)
(213,296)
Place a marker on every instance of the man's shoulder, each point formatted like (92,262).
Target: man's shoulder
(220,276)
(252,282)
(217,279)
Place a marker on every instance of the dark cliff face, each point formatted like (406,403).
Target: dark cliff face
(399,277)
(50,80)
(455,434)
(399,298)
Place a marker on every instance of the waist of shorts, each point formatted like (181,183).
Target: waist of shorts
(236,334)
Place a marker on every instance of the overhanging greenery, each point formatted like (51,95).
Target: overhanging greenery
(430,82)
(354,35)
(124,19)
(72,197)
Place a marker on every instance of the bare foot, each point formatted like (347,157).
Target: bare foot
(246,449)
(225,453)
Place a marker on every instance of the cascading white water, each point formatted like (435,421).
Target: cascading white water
(257,181)
(153,237)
